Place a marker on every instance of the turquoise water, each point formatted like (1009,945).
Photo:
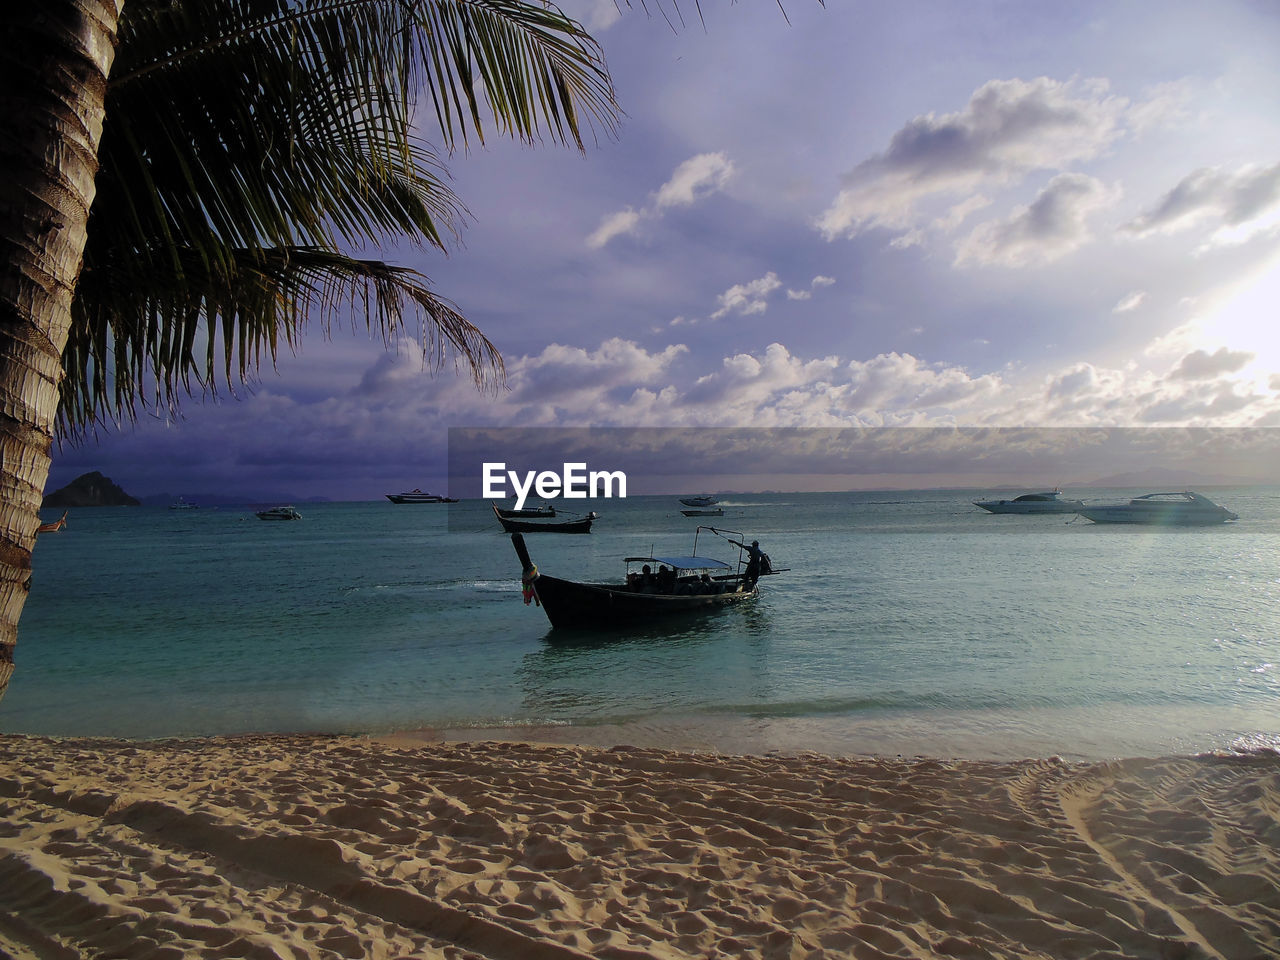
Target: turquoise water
(907,623)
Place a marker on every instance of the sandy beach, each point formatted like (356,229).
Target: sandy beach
(318,847)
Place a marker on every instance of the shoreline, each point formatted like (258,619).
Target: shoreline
(989,735)
(318,846)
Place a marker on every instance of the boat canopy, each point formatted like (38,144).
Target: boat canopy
(684,563)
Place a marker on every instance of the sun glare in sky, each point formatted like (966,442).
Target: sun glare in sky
(1248,319)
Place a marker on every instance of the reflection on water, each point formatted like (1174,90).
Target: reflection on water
(660,665)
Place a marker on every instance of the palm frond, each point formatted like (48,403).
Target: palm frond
(202,330)
(248,140)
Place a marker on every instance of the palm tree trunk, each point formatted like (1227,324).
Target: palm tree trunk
(54,59)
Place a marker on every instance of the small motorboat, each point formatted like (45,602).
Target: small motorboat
(518,525)
(279,513)
(703,501)
(707,512)
(1048,501)
(1166,509)
(654,587)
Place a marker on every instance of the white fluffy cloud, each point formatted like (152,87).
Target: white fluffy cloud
(621,383)
(1008,129)
(695,179)
(1202,365)
(1130,302)
(747,298)
(1051,226)
(1246,199)
(613,225)
(400,411)
(814,284)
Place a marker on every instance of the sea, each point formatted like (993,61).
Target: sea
(900,623)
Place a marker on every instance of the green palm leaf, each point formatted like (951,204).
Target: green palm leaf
(252,147)
(205,326)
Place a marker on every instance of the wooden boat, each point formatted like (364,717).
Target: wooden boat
(515,525)
(528,513)
(56,525)
(664,586)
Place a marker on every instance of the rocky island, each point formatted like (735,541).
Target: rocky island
(90,490)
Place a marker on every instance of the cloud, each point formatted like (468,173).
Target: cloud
(747,298)
(1204,403)
(596,15)
(1130,302)
(400,413)
(818,281)
(695,179)
(777,388)
(1008,129)
(1166,106)
(1201,365)
(1241,198)
(613,225)
(562,374)
(1050,227)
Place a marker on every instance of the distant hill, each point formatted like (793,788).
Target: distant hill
(1168,478)
(90,490)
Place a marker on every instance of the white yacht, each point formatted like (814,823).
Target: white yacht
(1171,509)
(1049,501)
(417,496)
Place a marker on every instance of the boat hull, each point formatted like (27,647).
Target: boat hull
(572,605)
(277,515)
(526,514)
(542,526)
(1013,507)
(1168,518)
(699,501)
(1186,509)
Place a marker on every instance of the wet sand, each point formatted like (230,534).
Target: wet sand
(319,847)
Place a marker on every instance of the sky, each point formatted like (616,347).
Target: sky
(868,214)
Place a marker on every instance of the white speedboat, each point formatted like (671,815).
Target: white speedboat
(1049,501)
(279,513)
(703,501)
(1170,509)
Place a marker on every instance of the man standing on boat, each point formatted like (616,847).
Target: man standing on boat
(757,562)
